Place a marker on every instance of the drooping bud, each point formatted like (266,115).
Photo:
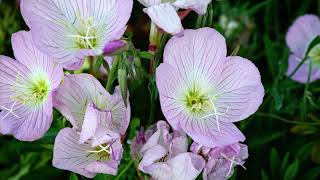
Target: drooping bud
(115,47)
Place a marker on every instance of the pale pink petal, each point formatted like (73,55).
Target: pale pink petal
(151,156)
(159,171)
(90,124)
(165,17)
(303,72)
(301,33)
(239,92)
(199,6)
(68,154)
(148,3)
(186,166)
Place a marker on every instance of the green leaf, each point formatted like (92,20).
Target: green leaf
(315,153)
(99,62)
(304,152)
(113,72)
(123,82)
(314,173)
(285,161)
(278,98)
(264,175)
(292,171)
(274,162)
(134,125)
(145,55)
(73,176)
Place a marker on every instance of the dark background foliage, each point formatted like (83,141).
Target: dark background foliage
(283,136)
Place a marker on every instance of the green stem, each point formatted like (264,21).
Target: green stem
(298,67)
(124,170)
(305,95)
(285,120)
(112,74)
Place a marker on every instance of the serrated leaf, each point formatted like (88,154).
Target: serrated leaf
(292,171)
(123,83)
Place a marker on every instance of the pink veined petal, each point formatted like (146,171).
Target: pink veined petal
(103,134)
(207,133)
(301,33)
(302,74)
(186,166)
(28,123)
(90,124)
(151,156)
(178,145)
(68,154)
(239,92)
(199,56)
(72,97)
(10,70)
(54,22)
(29,55)
(159,171)
(110,167)
(165,17)
(170,84)
(199,6)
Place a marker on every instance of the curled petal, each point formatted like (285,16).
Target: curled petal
(165,17)
(199,6)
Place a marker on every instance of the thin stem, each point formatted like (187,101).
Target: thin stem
(298,67)
(125,169)
(272,116)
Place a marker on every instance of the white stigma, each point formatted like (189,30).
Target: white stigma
(10,111)
(215,113)
(232,161)
(107,148)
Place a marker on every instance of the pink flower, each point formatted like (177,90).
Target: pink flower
(26,87)
(202,91)
(298,38)
(165,156)
(88,158)
(164,12)
(71,30)
(87,105)
(221,160)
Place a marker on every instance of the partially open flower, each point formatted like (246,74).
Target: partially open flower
(203,91)
(85,103)
(26,86)
(165,156)
(164,12)
(299,36)
(88,158)
(70,30)
(221,160)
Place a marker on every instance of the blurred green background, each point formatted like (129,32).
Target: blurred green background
(283,136)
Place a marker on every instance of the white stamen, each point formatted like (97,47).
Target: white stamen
(87,38)
(216,113)
(106,148)
(232,162)
(10,111)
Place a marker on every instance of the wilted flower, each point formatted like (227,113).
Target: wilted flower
(85,103)
(71,30)
(26,86)
(164,12)
(300,35)
(88,158)
(202,91)
(221,160)
(165,156)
